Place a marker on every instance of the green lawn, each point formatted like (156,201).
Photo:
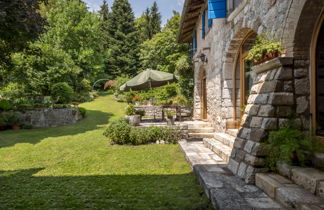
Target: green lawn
(74,167)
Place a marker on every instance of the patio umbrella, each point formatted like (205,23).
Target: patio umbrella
(148,79)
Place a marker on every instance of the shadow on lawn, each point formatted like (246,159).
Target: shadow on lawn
(94,120)
(19,189)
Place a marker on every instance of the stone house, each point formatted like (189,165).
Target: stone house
(231,93)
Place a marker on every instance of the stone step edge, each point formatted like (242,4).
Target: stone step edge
(287,193)
(225,139)
(232,132)
(224,152)
(310,179)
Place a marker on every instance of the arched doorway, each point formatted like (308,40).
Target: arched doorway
(243,75)
(203,94)
(317,66)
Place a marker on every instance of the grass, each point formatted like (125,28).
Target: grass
(74,167)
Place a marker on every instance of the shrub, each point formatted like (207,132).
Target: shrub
(130,110)
(5,105)
(9,118)
(62,93)
(120,132)
(83,111)
(290,145)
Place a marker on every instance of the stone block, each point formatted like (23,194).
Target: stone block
(320,189)
(284,111)
(259,150)
(228,199)
(302,104)
(309,178)
(257,134)
(239,143)
(244,133)
(288,86)
(271,86)
(248,146)
(280,99)
(310,207)
(253,160)
(256,122)
(270,124)
(263,203)
(267,184)
(239,156)
(252,109)
(285,169)
(300,72)
(318,160)
(261,98)
(233,165)
(256,88)
(302,86)
(267,111)
(241,170)
(284,74)
(294,197)
(250,174)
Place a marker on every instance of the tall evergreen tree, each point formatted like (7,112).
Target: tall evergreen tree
(155,19)
(123,40)
(104,25)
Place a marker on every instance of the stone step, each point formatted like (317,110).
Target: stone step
(201,130)
(288,194)
(318,161)
(219,148)
(225,139)
(226,191)
(232,132)
(198,124)
(200,135)
(310,179)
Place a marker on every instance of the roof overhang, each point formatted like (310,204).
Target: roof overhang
(190,14)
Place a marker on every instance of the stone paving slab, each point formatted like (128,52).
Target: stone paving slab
(225,190)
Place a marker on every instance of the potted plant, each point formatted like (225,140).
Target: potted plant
(265,49)
(133,118)
(169,115)
(13,121)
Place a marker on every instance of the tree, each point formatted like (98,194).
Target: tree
(104,25)
(19,23)
(123,40)
(163,53)
(155,19)
(149,23)
(69,51)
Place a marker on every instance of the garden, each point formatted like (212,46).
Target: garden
(75,167)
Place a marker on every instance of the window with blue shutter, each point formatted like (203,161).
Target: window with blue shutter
(216,9)
(203,19)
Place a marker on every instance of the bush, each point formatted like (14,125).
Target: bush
(140,112)
(290,145)
(130,110)
(83,111)
(120,132)
(5,105)
(62,93)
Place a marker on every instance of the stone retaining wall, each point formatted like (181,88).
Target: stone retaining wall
(45,118)
(151,111)
(271,102)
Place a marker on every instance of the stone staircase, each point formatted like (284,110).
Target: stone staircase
(294,187)
(200,130)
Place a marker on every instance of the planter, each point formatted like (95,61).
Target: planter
(15,127)
(134,120)
(170,121)
(267,57)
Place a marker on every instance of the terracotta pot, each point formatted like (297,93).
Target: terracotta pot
(15,127)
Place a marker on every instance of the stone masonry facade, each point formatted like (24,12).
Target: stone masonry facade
(281,87)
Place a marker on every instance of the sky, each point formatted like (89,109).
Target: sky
(165,6)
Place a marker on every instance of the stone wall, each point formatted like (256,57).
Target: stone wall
(151,111)
(45,118)
(271,102)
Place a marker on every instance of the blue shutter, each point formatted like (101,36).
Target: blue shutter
(194,43)
(216,9)
(203,18)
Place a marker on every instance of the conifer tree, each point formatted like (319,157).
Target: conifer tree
(104,16)
(155,19)
(123,40)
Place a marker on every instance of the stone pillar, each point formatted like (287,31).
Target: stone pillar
(271,101)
